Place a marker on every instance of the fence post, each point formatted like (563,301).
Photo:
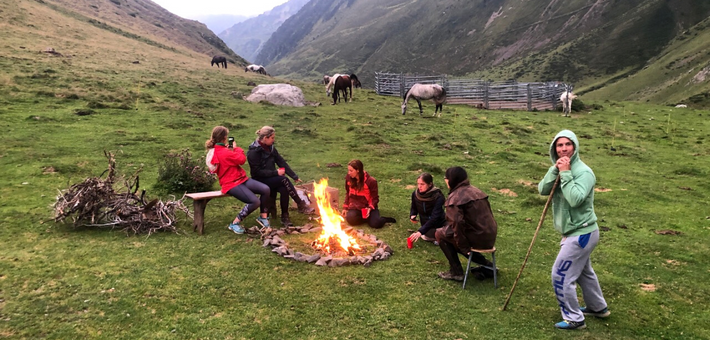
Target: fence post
(486,85)
(402,86)
(529,98)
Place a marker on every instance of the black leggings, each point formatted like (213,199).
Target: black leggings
(246,192)
(281,185)
(354,217)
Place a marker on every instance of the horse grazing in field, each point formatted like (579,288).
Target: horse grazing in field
(256,69)
(342,84)
(218,59)
(355,81)
(567,97)
(424,92)
(331,82)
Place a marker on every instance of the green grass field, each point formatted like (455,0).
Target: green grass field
(61,282)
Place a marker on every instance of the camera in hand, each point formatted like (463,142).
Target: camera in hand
(230,140)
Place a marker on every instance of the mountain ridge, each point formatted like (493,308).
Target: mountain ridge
(579,41)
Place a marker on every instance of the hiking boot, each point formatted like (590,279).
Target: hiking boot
(600,314)
(390,220)
(564,324)
(236,228)
(264,222)
(304,208)
(452,277)
(286,221)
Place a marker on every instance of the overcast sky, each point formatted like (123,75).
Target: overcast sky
(190,9)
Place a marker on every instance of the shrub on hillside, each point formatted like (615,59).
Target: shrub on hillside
(179,173)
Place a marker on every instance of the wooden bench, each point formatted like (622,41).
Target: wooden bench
(199,203)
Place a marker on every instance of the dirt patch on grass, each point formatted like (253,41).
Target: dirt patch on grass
(602,189)
(648,287)
(505,192)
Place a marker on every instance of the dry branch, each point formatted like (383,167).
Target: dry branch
(95,203)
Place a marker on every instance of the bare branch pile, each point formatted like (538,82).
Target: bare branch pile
(95,203)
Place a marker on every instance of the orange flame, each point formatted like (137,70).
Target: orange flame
(331,220)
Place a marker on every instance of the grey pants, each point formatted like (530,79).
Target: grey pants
(573,266)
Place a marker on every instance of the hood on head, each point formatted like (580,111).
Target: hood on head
(571,136)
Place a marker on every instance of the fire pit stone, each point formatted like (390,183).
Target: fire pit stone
(272,238)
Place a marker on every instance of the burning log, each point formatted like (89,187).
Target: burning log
(95,203)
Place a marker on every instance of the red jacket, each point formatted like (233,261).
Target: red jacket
(366,197)
(229,168)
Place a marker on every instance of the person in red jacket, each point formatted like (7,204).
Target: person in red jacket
(361,198)
(227,163)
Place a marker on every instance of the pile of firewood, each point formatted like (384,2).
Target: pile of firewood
(95,203)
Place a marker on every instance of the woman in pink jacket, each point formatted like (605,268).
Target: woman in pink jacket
(226,162)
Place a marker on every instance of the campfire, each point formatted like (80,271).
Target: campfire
(335,246)
(333,238)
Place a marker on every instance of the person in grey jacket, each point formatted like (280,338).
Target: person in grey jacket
(574,218)
(263,159)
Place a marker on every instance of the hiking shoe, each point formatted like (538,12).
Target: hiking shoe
(304,208)
(564,324)
(264,222)
(390,220)
(286,221)
(600,314)
(236,228)
(452,277)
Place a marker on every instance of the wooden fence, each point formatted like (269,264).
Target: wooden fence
(480,93)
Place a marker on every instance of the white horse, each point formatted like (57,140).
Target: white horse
(425,92)
(255,68)
(567,97)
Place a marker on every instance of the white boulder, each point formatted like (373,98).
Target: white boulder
(278,94)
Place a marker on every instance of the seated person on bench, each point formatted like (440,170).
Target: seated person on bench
(263,159)
(226,163)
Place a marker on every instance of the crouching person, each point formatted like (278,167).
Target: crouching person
(469,224)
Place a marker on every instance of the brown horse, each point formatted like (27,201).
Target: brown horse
(342,83)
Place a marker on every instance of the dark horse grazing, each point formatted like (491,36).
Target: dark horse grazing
(355,81)
(342,83)
(219,60)
(426,91)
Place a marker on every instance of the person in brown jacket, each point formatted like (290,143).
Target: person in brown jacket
(469,224)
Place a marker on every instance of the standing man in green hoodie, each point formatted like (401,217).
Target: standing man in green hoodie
(574,218)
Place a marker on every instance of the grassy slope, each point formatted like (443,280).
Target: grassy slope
(143,17)
(58,282)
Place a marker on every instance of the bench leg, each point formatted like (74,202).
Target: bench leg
(199,213)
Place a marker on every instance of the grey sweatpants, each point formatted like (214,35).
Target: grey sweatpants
(573,266)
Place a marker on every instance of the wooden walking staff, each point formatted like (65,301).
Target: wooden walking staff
(539,224)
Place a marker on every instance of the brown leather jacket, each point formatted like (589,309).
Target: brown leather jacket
(469,215)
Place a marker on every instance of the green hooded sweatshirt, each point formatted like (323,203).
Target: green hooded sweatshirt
(573,201)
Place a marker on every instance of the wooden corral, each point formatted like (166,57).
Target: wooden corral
(480,93)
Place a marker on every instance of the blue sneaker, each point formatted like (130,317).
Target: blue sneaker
(600,314)
(264,222)
(564,324)
(236,228)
